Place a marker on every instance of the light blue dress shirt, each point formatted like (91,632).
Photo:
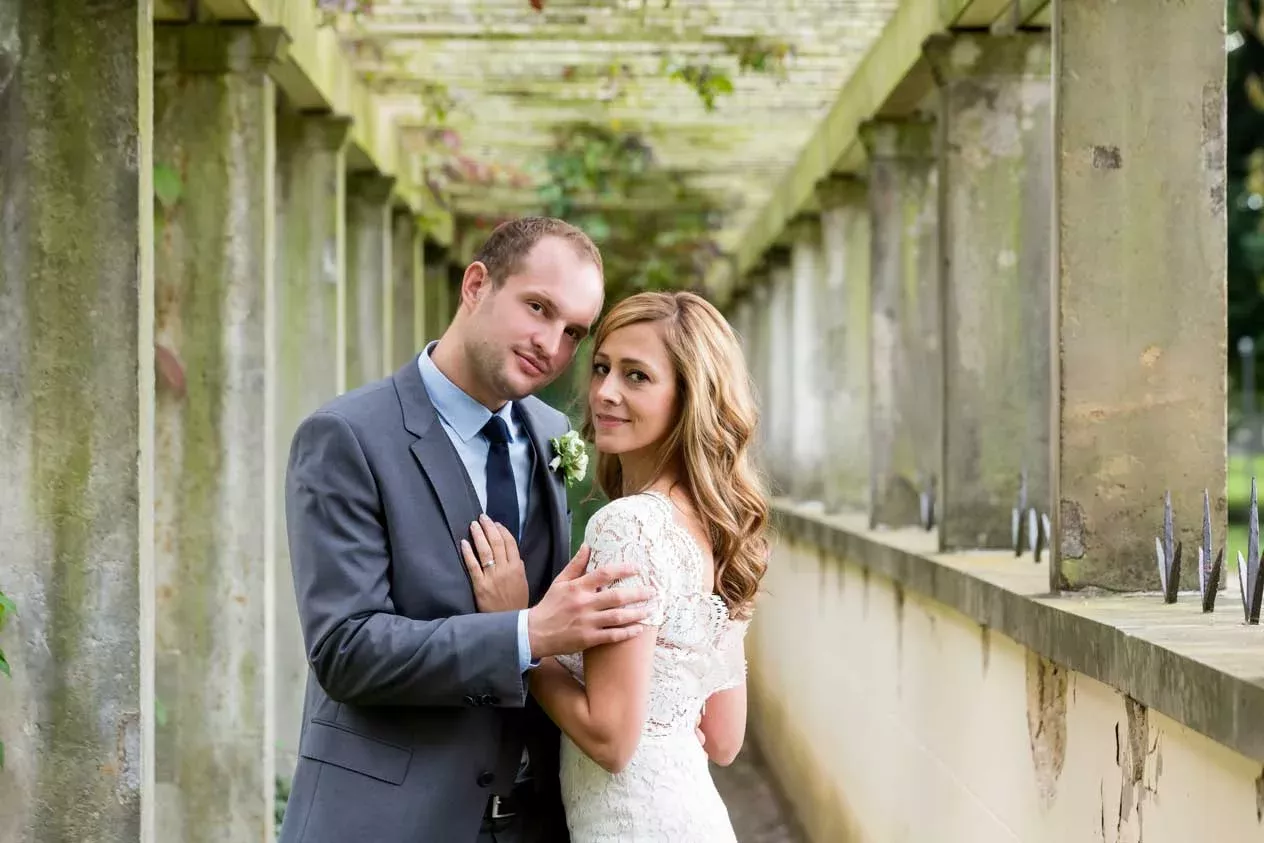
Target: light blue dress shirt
(463,419)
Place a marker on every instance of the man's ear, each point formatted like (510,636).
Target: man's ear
(476,284)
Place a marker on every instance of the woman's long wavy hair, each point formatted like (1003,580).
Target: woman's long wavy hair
(711,439)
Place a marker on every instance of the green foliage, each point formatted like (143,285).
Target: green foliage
(596,178)
(588,159)
(168,186)
(281,799)
(1245,78)
(7,608)
(708,82)
(753,54)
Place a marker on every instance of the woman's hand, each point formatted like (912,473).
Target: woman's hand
(496,569)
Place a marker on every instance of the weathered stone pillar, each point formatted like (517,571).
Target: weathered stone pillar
(906,384)
(995,174)
(436,300)
(309,285)
(1140,187)
(405,289)
(779,406)
(757,355)
(76,420)
(807,446)
(844,317)
(369,269)
(215,136)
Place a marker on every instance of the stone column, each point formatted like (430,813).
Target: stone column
(405,289)
(309,285)
(995,174)
(779,379)
(906,385)
(369,269)
(757,356)
(214,135)
(76,420)
(807,446)
(436,297)
(844,316)
(1140,214)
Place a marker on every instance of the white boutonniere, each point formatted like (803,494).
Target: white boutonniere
(569,455)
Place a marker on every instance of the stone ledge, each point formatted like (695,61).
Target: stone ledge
(1204,671)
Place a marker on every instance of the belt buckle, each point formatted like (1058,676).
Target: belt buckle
(496,814)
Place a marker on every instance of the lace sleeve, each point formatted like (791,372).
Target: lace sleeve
(627,530)
(730,666)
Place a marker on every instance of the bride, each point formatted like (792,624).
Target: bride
(671,412)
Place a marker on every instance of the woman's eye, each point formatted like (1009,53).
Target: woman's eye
(637,377)
(600,368)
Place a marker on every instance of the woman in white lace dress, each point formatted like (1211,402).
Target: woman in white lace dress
(671,411)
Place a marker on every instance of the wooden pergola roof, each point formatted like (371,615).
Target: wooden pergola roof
(493,81)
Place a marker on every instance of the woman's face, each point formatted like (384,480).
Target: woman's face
(632,394)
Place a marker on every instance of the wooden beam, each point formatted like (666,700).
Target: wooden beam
(878,75)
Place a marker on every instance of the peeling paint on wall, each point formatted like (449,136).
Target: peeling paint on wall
(1046,722)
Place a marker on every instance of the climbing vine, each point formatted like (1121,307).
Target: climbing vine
(7,608)
(710,81)
(654,230)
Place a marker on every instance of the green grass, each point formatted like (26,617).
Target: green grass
(1240,471)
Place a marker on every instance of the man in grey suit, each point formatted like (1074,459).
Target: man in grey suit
(417,727)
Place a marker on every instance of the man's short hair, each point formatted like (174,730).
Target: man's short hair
(510,243)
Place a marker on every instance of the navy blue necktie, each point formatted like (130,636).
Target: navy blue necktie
(502,491)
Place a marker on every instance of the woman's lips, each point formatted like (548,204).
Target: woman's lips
(607,422)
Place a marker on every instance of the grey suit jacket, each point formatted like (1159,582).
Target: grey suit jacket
(415,710)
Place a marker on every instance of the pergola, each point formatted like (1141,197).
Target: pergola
(668,110)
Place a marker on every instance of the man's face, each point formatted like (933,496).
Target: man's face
(524,334)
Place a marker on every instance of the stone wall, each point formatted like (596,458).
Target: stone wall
(889,714)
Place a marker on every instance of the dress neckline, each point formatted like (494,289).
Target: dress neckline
(700,557)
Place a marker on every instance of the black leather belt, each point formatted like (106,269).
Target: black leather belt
(501,807)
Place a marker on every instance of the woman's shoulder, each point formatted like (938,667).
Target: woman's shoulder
(644,513)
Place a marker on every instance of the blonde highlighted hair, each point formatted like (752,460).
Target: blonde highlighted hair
(711,439)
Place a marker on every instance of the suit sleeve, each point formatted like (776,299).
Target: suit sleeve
(360,650)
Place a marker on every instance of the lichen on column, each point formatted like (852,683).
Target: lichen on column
(75,410)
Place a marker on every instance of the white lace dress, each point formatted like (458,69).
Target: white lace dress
(665,794)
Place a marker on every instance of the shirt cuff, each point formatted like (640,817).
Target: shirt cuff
(524,645)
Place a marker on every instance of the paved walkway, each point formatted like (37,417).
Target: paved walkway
(757,811)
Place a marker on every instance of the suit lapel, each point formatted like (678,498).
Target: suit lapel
(556,492)
(436,457)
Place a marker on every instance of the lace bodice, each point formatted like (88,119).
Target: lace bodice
(699,648)
(666,792)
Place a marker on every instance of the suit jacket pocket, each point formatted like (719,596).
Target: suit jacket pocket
(333,744)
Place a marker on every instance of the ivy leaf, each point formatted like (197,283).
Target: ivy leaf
(4,665)
(168,186)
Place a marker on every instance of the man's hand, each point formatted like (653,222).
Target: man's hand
(499,577)
(576,614)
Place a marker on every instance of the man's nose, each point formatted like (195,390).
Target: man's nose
(549,343)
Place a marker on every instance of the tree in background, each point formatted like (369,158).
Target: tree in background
(1245,79)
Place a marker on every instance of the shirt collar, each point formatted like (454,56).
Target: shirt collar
(461,412)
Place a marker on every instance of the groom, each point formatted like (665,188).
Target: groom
(417,727)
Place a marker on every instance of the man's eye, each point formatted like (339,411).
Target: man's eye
(573,334)
(536,306)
